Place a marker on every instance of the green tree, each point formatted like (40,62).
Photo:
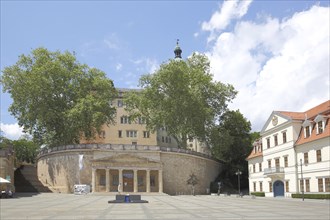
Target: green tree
(57,99)
(4,142)
(231,143)
(25,149)
(183,97)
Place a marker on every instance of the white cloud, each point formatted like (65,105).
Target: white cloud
(12,131)
(146,65)
(275,64)
(229,10)
(112,41)
(119,66)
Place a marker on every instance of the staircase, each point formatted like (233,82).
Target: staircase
(26,180)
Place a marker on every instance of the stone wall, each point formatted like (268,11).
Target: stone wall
(59,170)
(177,169)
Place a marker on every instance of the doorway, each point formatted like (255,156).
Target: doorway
(278,188)
(128,180)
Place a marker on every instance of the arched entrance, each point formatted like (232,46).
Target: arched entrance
(278,188)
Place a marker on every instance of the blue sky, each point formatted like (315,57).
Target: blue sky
(275,53)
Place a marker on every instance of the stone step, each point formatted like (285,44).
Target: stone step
(26,180)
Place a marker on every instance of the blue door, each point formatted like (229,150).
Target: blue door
(278,188)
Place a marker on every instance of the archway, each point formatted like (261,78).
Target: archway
(278,188)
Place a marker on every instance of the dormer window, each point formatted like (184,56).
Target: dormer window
(320,127)
(307,128)
(320,124)
(307,131)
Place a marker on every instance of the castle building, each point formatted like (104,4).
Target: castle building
(126,153)
(293,154)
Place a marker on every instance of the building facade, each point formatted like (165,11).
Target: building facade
(293,154)
(126,157)
(7,167)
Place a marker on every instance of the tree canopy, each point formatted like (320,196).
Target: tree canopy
(25,149)
(57,99)
(183,97)
(232,142)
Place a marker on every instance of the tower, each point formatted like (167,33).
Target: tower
(177,50)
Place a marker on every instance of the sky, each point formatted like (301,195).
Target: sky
(275,53)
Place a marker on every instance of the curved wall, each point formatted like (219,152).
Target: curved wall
(58,168)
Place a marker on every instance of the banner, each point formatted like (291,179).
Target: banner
(81,165)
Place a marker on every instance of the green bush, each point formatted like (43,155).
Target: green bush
(311,196)
(261,194)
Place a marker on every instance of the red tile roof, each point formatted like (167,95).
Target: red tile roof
(322,109)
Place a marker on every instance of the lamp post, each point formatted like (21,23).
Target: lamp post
(238,173)
(302,180)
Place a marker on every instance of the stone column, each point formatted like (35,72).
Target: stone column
(135,181)
(120,178)
(160,181)
(148,180)
(93,179)
(107,180)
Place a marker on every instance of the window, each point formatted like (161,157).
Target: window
(320,184)
(131,133)
(320,127)
(166,139)
(120,103)
(102,180)
(286,161)
(269,163)
(115,180)
(275,140)
(124,120)
(306,158)
(254,168)
(270,187)
(102,134)
(146,134)
(307,185)
(277,162)
(163,139)
(327,184)
(284,137)
(141,120)
(254,186)
(268,142)
(318,156)
(287,186)
(120,134)
(260,186)
(307,132)
(260,167)
(140,181)
(152,180)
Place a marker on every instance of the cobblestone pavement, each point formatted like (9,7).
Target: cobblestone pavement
(96,206)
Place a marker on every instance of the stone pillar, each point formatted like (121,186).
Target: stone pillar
(148,180)
(93,179)
(121,179)
(160,181)
(107,180)
(135,181)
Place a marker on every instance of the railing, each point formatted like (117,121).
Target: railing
(122,147)
(274,170)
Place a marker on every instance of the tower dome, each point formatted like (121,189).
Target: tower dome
(177,50)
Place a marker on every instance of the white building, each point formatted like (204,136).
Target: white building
(293,153)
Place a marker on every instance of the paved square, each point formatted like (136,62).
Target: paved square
(96,206)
